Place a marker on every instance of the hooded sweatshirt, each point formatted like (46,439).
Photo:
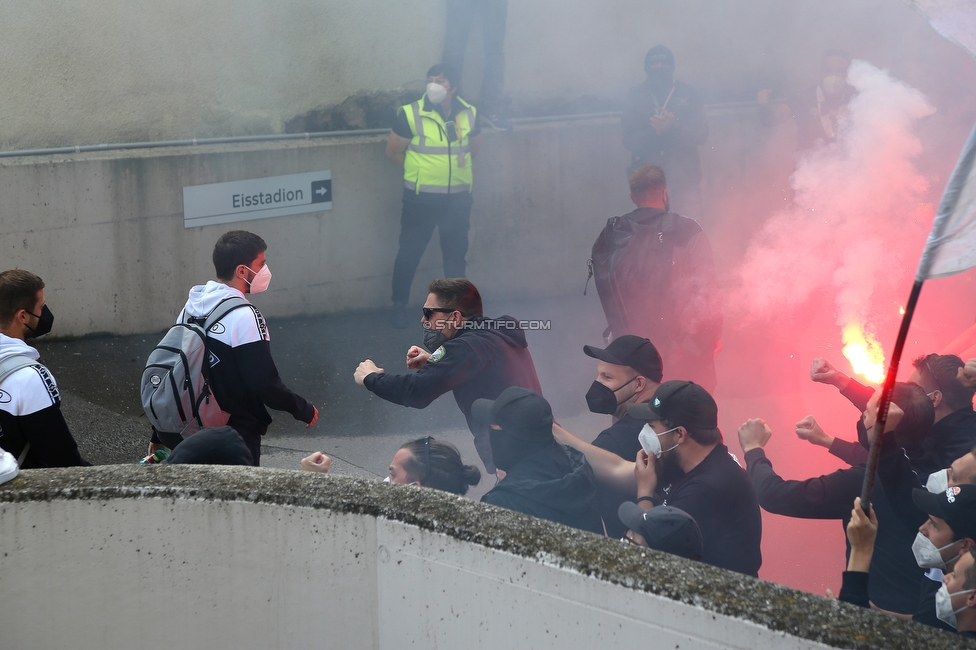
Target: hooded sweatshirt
(481,361)
(30,412)
(554,483)
(244,376)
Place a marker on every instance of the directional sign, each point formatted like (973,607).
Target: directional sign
(256,198)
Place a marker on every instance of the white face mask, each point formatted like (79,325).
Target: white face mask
(261,279)
(386,480)
(938,482)
(943,605)
(926,554)
(436,92)
(651,441)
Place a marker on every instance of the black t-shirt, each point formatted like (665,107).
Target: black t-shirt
(719,496)
(402,128)
(619,438)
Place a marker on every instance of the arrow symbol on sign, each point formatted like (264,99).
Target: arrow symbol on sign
(321,190)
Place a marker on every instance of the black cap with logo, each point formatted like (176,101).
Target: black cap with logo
(956,505)
(682,403)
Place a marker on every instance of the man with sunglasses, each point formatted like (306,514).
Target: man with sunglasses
(435,140)
(475,357)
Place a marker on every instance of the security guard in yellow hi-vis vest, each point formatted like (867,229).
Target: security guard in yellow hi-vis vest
(435,139)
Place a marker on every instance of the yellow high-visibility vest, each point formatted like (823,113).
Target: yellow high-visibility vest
(431,162)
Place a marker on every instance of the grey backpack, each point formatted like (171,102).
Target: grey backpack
(175,387)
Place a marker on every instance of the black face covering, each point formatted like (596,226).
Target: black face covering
(661,79)
(508,448)
(434,339)
(44,323)
(602,399)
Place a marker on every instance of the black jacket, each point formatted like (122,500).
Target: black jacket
(949,438)
(718,495)
(895,578)
(244,376)
(554,483)
(676,150)
(481,361)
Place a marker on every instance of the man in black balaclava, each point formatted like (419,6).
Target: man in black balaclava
(542,478)
(664,124)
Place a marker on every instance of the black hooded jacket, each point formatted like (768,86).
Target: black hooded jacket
(554,483)
(482,360)
(676,150)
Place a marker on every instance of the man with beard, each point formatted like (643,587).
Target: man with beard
(32,427)
(664,123)
(697,474)
(475,357)
(542,478)
(692,470)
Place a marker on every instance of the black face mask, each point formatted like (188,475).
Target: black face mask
(602,399)
(434,339)
(661,78)
(508,448)
(44,323)
(504,451)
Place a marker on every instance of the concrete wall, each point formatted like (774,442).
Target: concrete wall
(130,556)
(105,230)
(135,70)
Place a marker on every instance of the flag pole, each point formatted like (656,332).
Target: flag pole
(885,401)
(939,235)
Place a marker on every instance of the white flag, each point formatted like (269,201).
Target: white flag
(951,246)
(954,19)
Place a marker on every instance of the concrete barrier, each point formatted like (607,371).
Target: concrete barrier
(105,230)
(152,557)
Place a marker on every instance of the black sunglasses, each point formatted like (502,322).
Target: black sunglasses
(429,311)
(426,459)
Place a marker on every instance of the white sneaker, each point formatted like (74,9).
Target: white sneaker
(8,466)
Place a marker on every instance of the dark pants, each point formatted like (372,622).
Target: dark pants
(250,431)
(451,215)
(460,14)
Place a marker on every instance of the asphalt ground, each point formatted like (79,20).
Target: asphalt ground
(99,380)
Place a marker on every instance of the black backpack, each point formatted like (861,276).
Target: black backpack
(632,265)
(175,387)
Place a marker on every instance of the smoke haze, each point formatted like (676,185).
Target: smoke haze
(855,221)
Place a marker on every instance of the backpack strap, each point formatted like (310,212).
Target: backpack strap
(223,308)
(10,365)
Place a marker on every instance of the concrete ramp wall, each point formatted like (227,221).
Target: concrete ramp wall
(105,230)
(163,557)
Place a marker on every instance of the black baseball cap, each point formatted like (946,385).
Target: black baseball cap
(664,528)
(517,410)
(682,403)
(632,351)
(957,505)
(659,54)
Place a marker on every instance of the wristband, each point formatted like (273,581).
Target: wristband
(639,499)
